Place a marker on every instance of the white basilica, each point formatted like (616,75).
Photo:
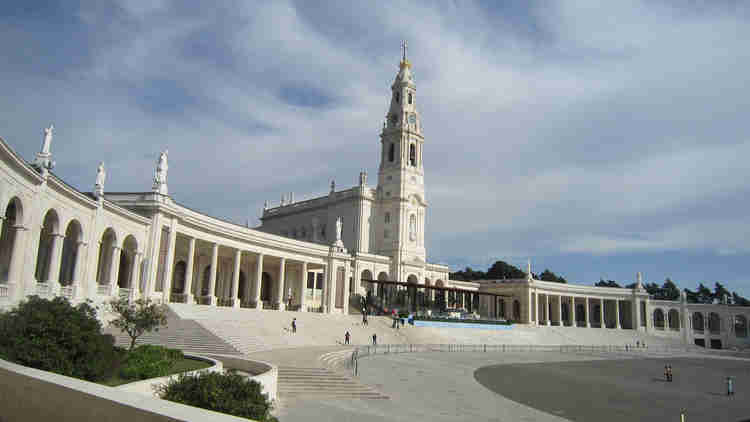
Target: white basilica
(306,256)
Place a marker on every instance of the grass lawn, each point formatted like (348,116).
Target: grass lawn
(183,365)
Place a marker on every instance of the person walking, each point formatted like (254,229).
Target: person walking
(346,338)
(294,325)
(730,386)
(666,373)
(374,339)
(668,370)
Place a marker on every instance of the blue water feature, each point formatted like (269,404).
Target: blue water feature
(461,325)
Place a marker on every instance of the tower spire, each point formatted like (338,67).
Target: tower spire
(404,60)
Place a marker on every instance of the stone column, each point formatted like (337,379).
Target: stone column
(303,289)
(602,324)
(546,310)
(617,314)
(79,265)
(169,270)
(530,303)
(280,288)
(636,314)
(573,321)
(324,288)
(17,257)
(114,266)
(214,270)
(559,310)
(134,274)
(538,310)
(236,278)
(189,272)
(588,313)
(55,259)
(258,279)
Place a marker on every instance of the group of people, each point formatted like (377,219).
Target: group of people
(348,337)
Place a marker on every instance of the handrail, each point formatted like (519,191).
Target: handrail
(352,363)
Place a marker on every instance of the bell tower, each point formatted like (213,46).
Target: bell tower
(400,192)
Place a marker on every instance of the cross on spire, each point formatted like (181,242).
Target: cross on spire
(403,48)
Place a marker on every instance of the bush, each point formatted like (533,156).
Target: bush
(54,336)
(229,393)
(148,361)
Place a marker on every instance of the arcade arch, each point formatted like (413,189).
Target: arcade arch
(659,319)
(698,323)
(674,319)
(740,326)
(127,262)
(714,323)
(105,263)
(47,238)
(9,237)
(70,253)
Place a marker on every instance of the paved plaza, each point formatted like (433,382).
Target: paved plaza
(536,386)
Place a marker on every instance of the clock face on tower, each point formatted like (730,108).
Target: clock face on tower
(412,118)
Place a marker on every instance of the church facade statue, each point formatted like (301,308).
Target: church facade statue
(101,177)
(43,160)
(160,176)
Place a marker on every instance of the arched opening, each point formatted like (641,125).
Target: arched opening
(440,296)
(206,281)
(266,285)
(73,236)
(47,239)
(366,275)
(698,323)
(581,314)
(674,320)
(106,252)
(9,237)
(412,155)
(659,319)
(410,98)
(516,310)
(714,323)
(127,262)
(391,152)
(242,286)
(740,326)
(178,277)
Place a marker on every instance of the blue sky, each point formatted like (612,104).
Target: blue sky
(597,138)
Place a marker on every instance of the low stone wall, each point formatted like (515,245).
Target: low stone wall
(445,324)
(264,373)
(28,394)
(149,386)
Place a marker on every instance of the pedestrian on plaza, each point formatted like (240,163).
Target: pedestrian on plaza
(666,372)
(374,339)
(346,338)
(730,386)
(637,344)
(294,325)
(669,373)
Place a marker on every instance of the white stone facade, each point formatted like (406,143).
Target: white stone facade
(539,302)
(55,240)
(383,222)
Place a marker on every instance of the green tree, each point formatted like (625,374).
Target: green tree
(608,283)
(739,300)
(137,318)
(669,290)
(652,288)
(52,335)
(548,275)
(704,294)
(468,275)
(720,292)
(503,270)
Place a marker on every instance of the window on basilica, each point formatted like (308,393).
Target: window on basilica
(410,98)
(391,152)
(413,155)
(387,217)
(397,97)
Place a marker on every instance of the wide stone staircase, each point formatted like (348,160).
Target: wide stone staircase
(319,383)
(183,334)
